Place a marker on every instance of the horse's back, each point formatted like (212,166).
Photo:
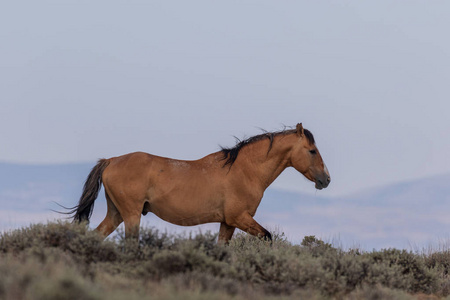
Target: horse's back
(178,191)
(149,171)
(135,162)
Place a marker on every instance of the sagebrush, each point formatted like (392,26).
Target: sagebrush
(66,261)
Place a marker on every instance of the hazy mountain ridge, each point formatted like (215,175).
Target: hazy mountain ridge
(434,190)
(411,212)
(398,215)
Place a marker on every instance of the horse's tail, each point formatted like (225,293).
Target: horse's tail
(83,211)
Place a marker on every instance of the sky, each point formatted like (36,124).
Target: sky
(81,80)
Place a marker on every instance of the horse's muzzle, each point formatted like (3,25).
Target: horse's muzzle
(323,182)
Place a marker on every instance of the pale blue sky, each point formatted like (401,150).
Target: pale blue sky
(80,80)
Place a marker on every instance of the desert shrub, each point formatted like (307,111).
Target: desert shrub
(190,255)
(74,238)
(411,267)
(43,261)
(205,282)
(49,274)
(378,292)
(439,260)
(277,268)
(316,246)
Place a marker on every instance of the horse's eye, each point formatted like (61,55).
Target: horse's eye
(312,151)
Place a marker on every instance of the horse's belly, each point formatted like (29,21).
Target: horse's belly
(186,213)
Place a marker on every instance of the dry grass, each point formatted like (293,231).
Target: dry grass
(65,261)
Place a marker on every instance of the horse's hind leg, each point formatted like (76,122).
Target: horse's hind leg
(225,233)
(132,223)
(112,219)
(130,215)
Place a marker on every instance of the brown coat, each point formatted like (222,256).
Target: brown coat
(220,187)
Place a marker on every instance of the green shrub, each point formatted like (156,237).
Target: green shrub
(60,260)
(76,239)
(411,267)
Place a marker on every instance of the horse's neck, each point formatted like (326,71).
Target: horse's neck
(266,167)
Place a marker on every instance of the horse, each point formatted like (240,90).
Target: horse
(224,187)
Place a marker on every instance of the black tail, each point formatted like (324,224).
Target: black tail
(83,211)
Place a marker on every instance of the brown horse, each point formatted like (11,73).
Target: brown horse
(225,187)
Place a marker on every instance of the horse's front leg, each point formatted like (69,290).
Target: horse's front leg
(225,233)
(245,222)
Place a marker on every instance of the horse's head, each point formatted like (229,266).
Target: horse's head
(306,159)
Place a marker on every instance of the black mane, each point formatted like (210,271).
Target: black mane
(231,154)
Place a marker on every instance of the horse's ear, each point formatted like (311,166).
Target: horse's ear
(300,131)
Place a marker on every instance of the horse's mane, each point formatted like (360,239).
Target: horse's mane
(231,154)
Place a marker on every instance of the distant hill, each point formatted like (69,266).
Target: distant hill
(401,215)
(28,192)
